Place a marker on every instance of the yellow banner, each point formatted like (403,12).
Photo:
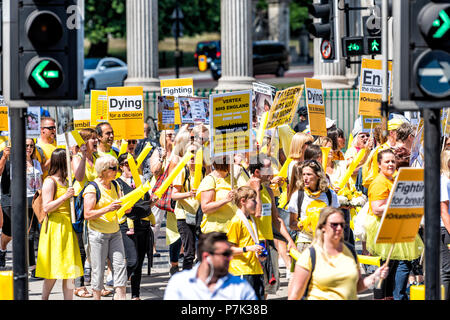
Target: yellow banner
(231,122)
(404,211)
(99,106)
(177,87)
(126,112)
(371,87)
(284,106)
(4,119)
(316,107)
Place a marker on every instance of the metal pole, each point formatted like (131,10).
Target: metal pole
(19,210)
(432,204)
(384,64)
(177,33)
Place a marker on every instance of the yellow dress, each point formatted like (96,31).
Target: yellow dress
(58,252)
(379,189)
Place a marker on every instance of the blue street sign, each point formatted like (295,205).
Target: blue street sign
(432,71)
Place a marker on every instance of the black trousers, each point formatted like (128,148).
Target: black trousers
(188,238)
(136,247)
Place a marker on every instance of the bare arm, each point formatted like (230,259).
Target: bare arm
(79,166)
(156,165)
(48,191)
(365,283)
(210,206)
(378,206)
(89,204)
(178,195)
(4,158)
(299,283)
(278,223)
(445,215)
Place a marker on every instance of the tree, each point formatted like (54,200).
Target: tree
(298,16)
(103,19)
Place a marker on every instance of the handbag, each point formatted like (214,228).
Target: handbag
(37,205)
(165,202)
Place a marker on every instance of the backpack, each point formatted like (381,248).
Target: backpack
(312,254)
(79,205)
(36,204)
(190,218)
(301,196)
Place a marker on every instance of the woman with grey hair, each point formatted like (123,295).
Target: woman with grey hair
(105,238)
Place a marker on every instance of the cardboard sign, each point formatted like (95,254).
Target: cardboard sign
(263,95)
(230,122)
(33,122)
(99,107)
(81,118)
(126,112)
(284,106)
(315,103)
(405,208)
(4,122)
(177,87)
(194,110)
(64,119)
(368,123)
(371,87)
(166,113)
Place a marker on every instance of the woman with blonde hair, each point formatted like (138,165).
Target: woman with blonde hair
(330,270)
(445,222)
(299,143)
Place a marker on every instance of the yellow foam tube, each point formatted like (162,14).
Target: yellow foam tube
(198,168)
(325,153)
(370,260)
(134,170)
(294,253)
(123,147)
(284,169)
(131,198)
(78,139)
(159,192)
(6,285)
(262,128)
(352,167)
(286,134)
(143,154)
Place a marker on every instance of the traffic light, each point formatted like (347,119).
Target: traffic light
(42,53)
(422,55)
(325,29)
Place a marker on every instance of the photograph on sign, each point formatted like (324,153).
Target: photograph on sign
(262,99)
(64,119)
(166,112)
(316,107)
(405,207)
(194,110)
(126,112)
(82,118)
(284,106)
(230,121)
(99,106)
(175,88)
(33,123)
(371,87)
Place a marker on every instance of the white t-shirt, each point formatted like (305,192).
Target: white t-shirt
(34,178)
(310,204)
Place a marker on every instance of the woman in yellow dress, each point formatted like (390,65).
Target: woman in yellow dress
(378,193)
(58,252)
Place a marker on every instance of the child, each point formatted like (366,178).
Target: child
(243,235)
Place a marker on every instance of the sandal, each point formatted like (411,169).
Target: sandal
(83,293)
(106,292)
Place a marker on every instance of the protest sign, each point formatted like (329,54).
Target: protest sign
(262,99)
(64,119)
(194,110)
(177,87)
(368,123)
(166,113)
(404,210)
(81,118)
(371,87)
(4,120)
(99,107)
(126,112)
(230,122)
(33,123)
(316,107)
(284,106)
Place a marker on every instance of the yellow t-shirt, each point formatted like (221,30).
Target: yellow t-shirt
(218,220)
(264,223)
(247,262)
(48,149)
(108,222)
(90,174)
(111,152)
(334,277)
(189,205)
(379,189)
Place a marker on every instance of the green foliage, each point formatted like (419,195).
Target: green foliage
(104,18)
(298,15)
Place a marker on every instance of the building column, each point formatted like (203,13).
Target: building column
(278,12)
(236,45)
(142,44)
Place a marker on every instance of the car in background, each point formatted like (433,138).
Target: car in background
(211,49)
(269,57)
(100,73)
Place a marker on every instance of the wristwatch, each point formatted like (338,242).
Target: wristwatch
(244,249)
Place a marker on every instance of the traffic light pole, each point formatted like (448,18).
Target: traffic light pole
(19,212)
(432,203)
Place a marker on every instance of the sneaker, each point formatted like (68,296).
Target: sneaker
(33,276)
(2,258)
(173,270)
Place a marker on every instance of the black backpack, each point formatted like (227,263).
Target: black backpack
(301,196)
(312,253)
(79,205)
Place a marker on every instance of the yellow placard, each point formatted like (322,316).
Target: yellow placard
(177,87)
(371,87)
(369,123)
(231,122)
(316,107)
(81,118)
(166,113)
(126,112)
(404,210)
(99,106)
(4,119)
(284,106)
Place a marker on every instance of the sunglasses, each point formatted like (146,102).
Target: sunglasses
(132,141)
(50,128)
(334,225)
(312,162)
(227,253)
(125,164)
(29,145)
(113,168)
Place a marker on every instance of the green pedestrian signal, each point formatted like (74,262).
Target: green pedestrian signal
(46,74)
(373,45)
(353,47)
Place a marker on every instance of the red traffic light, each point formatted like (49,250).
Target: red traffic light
(44,28)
